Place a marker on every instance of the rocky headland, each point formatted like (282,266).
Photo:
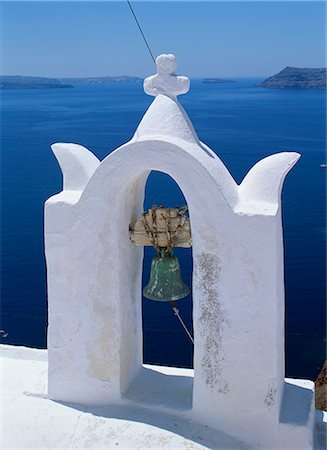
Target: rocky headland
(297,78)
(321,389)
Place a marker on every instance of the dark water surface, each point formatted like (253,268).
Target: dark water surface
(240,122)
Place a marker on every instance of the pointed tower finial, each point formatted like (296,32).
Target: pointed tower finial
(165,81)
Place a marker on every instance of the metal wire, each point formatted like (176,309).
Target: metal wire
(141,31)
(176,312)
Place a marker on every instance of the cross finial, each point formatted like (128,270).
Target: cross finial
(165,81)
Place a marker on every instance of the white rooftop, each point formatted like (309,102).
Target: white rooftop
(95,310)
(31,421)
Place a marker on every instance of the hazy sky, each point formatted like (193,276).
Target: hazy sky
(209,38)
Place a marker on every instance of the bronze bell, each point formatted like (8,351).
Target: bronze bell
(166,284)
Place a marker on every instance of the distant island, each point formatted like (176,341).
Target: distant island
(217,81)
(297,78)
(24,82)
(102,80)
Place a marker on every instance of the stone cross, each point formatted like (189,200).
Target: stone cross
(165,81)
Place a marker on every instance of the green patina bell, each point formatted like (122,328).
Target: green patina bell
(166,282)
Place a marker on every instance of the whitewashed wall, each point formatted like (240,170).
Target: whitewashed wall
(94,275)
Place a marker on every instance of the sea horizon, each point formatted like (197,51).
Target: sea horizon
(240,122)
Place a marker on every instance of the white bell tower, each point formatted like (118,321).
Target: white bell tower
(94,280)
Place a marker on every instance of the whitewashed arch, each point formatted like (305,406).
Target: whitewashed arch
(94,275)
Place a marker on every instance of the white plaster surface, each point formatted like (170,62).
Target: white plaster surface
(77,164)
(94,275)
(165,81)
(30,420)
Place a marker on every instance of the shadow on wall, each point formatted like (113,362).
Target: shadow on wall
(155,388)
(296,405)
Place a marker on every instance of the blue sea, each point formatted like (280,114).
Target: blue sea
(242,123)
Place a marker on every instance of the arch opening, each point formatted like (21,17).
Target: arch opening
(112,199)
(165,343)
(164,340)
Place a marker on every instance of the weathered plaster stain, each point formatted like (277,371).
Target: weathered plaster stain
(102,356)
(270,397)
(212,320)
